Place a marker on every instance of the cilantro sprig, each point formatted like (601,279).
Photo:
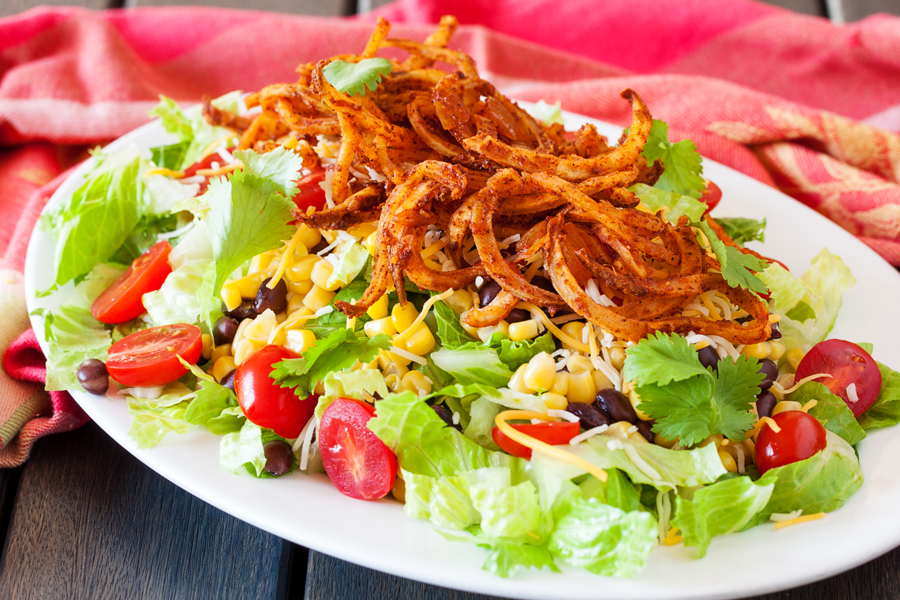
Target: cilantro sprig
(736,266)
(354,79)
(338,351)
(689,401)
(683,165)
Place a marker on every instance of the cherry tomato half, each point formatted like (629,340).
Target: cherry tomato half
(847,364)
(266,403)
(150,357)
(358,463)
(310,193)
(555,434)
(711,196)
(800,436)
(122,301)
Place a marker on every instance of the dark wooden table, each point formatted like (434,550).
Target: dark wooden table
(85,519)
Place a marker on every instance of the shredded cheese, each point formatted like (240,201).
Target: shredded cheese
(213,148)
(421,316)
(587,434)
(797,384)
(774,318)
(641,464)
(433,248)
(770,422)
(539,446)
(221,170)
(672,538)
(852,395)
(286,258)
(162,171)
(803,519)
(405,354)
(809,405)
(538,315)
(710,305)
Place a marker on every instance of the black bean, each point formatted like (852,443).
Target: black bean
(517,315)
(765,402)
(274,299)
(645,429)
(224,330)
(590,415)
(509,251)
(446,416)
(488,292)
(708,357)
(776,332)
(323,243)
(616,405)
(770,371)
(244,311)
(743,320)
(542,282)
(93,376)
(279,457)
(228,380)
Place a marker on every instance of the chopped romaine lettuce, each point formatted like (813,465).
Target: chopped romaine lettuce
(743,230)
(678,204)
(831,411)
(886,410)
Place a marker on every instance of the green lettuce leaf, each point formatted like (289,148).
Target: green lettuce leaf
(216,408)
(351,384)
(678,204)
(475,366)
(351,262)
(243,451)
(152,419)
(193,130)
(73,336)
(886,410)
(170,156)
(789,296)
(186,296)
(449,329)
(743,230)
(506,559)
(724,507)
(827,279)
(617,491)
(603,539)
(548,114)
(831,411)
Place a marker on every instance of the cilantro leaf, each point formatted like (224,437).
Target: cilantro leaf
(335,320)
(681,160)
(249,214)
(661,359)
(743,230)
(355,78)
(548,114)
(693,409)
(678,204)
(339,351)
(736,265)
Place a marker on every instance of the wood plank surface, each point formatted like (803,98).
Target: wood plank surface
(91,521)
(329,578)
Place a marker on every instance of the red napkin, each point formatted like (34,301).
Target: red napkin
(793,101)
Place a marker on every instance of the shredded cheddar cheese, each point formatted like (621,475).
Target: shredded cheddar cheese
(539,446)
(538,315)
(221,170)
(163,171)
(286,259)
(803,519)
(422,314)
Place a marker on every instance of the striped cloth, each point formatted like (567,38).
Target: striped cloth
(794,101)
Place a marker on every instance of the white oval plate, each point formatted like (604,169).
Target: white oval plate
(308,510)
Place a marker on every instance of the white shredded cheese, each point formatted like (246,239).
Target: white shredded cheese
(329,247)
(327,187)
(852,395)
(405,354)
(563,414)
(192,180)
(695,338)
(632,429)
(324,311)
(779,517)
(307,441)
(615,445)
(566,318)
(588,434)
(479,281)
(455,419)
(146,393)
(641,464)
(724,347)
(741,464)
(225,154)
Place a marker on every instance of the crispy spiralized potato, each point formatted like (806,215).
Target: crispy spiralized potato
(435,153)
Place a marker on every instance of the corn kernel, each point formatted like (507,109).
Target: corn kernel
(230,295)
(260,327)
(794,356)
(485,333)
(300,312)
(664,442)
(420,342)
(206,343)
(777,350)
(249,285)
(403,316)
(385,358)
(715,439)
(301,269)
(310,237)
(635,401)
(220,351)
(393,383)
(321,271)
(578,363)
(617,357)
(317,298)
(329,235)
(460,301)
(239,334)
(300,251)
(758,351)
(244,348)
(560,383)
(472,331)
(786,405)
(223,367)
(363,229)
(581,388)
(295,303)
(539,372)
(379,309)
(517,383)
(416,382)
(601,381)
(727,461)
(635,436)
(524,330)
(554,401)
(385,326)
(300,288)
(300,340)
(395,369)
(573,329)
(261,262)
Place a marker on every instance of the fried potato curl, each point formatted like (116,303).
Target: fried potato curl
(446,152)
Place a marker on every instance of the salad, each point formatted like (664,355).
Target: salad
(542,343)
